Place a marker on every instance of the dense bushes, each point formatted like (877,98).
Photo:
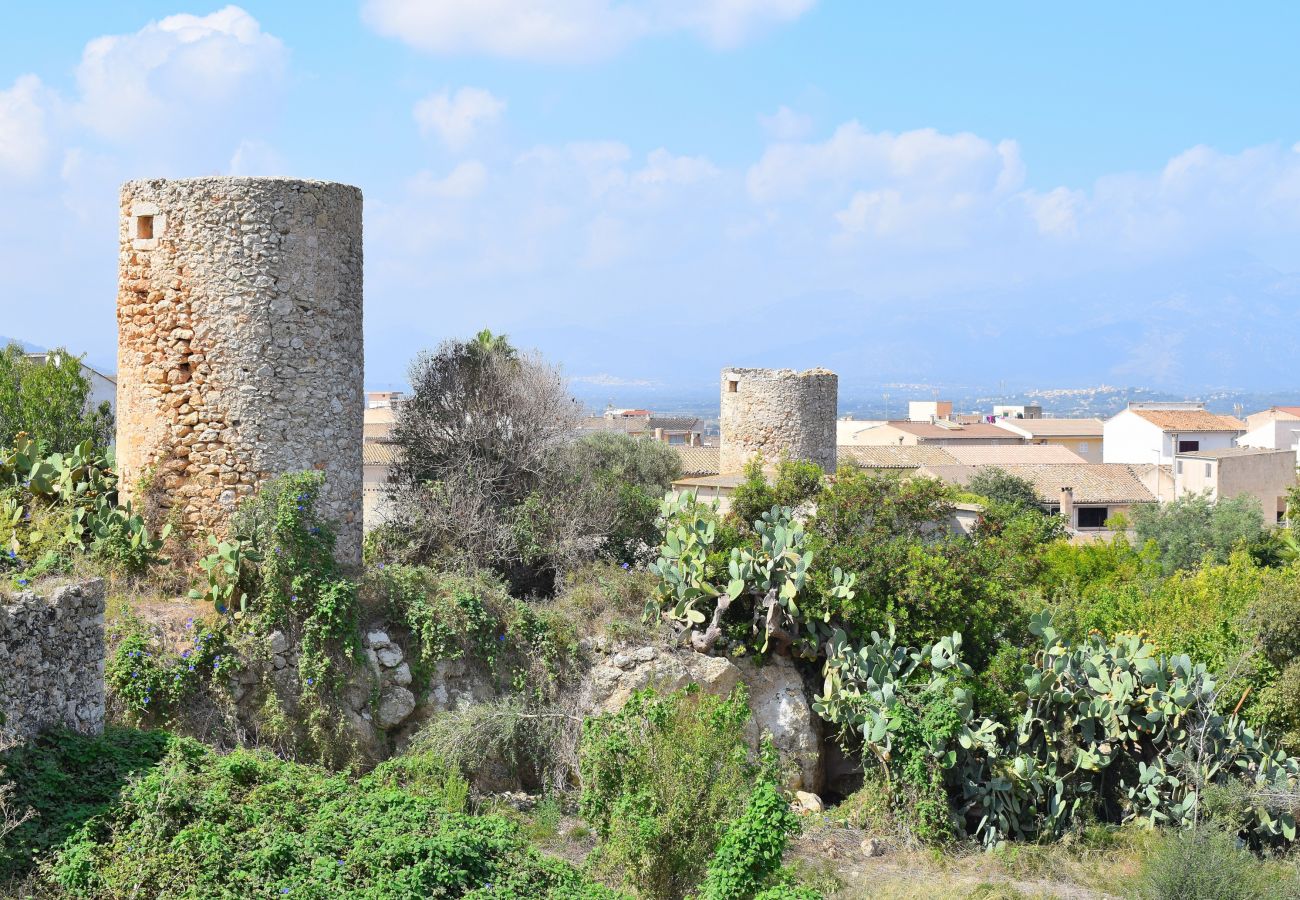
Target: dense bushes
(661,779)
(68,780)
(58,507)
(199,824)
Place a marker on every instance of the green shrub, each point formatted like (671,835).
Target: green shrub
(661,778)
(794,482)
(199,824)
(1208,864)
(747,862)
(999,486)
(69,779)
(153,684)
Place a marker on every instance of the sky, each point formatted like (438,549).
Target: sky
(646,191)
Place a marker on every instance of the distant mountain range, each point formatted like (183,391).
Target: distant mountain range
(27,347)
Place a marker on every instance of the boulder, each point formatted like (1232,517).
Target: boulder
(395,704)
(776,697)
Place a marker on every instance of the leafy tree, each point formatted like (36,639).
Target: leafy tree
(796,482)
(1001,486)
(49,400)
(1195,528)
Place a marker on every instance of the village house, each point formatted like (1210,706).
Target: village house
(1264,474)
(1086,495)
(1156,432)
(1082,437)
(939,433)
(1276,428)
(642,423)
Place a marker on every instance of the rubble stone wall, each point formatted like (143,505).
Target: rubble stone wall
(778,412)
(52,660)
(240,344)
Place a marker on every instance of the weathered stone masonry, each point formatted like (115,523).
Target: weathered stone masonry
(778,412)
(52,660)
(240,344)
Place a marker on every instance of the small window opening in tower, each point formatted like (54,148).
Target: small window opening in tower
(732,386)
(144,228)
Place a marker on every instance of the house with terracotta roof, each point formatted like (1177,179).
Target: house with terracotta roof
(1154,433)
(1012,455)
(1080,436)
(1276,428)
(1086,495)
(939,433)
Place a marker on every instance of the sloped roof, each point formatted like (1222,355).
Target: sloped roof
(1054,427)
(697,461)
(890,456)
(1189,420)
(674,423)
(952,430)
(1013,454)
(380,453)
(1228,452)
(1093,483)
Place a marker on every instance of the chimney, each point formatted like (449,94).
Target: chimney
(659,435)
(1067,505)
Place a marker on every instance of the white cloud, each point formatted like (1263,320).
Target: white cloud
(786,125)
(461,183)
(922,159)
(456,118)
(183,73)
(569,30)
(24,137)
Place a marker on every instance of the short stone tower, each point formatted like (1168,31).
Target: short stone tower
(239,344)
(778,412)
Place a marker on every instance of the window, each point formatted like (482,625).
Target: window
(1188,446)
(733,385)
(1092,516)
(144,228)
(1083,446)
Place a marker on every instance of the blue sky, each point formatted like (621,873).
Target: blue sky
(647,191)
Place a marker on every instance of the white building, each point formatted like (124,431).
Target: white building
(1276,428)
(1154,433)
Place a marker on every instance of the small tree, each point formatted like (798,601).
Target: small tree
(478,436)
(49,399)
(1001,486)
(1194,528)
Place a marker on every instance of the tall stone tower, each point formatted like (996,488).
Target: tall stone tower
(778,412)
(239,344)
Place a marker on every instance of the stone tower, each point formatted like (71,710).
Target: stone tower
(239,344)
(775,413)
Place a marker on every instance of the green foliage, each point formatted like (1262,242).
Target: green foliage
(795,482)
(70,779)
(1110,728)
(61,504)
(227,568)
(1000,486)
(152,683)
(1195,528)
(199,824)
(768,578)
(50,398)
(1208,864)
(661,778)
(747,862)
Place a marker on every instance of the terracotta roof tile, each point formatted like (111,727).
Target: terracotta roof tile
(1189,420)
